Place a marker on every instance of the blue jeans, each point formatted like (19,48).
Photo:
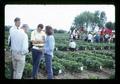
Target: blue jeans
(36,56)
(48,63)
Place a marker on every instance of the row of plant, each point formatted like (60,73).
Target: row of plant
(106,61)
(8,69)
(70,65)
(107,53)
(71,61)
(76,64)
(104,56)
(65,47)
(62,42)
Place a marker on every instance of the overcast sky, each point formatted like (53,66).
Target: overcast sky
(58,16)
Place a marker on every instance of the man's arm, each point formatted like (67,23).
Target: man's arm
(51,43)
(25,45)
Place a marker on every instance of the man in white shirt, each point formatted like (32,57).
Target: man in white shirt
(107,37)
(90,37)
(72,45)
(14,28)
(19,47)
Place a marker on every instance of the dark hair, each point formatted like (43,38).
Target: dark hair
(49,30)
(40,25)
(16,19)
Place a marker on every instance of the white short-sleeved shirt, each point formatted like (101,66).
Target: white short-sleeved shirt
(90,36)
(72,45)
(36,36)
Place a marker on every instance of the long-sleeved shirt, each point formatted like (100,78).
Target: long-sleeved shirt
(14,28)
(49,45)
(19,40)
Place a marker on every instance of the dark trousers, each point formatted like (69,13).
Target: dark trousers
(48,63)
(113,39)
(72,49)
(89,41)
(97,40)
(36,56)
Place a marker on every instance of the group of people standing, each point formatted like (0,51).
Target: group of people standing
(43,45)
(99,37)
(102,35)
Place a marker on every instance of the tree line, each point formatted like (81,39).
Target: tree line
(98,18)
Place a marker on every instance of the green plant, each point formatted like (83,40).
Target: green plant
(109,63)
(93,77)
(42,64)
(27,70)
(71,65)
(29,58)
(91,64)
(57,67)
(112,76)
(8,70)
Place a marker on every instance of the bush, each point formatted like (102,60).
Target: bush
(42,64)
(57,68)
(8,70)
(27,70)
(29,58)
(62,47)
(109,63)
(112,76)
(71,65)
(93,77)
(94,65)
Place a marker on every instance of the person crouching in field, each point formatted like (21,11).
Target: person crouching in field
(72,45)
(48,51)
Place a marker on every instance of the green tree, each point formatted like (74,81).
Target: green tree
(55,30)
(102,18)
(110,25)
(72,28)
(90,19)
(7,27)
(97,17)
(84,18)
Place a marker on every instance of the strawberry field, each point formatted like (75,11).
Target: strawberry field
(97,58)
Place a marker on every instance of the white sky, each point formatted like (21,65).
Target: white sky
(58,16)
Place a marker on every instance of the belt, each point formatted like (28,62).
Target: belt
(39,46)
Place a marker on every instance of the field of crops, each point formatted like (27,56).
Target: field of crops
(89,57)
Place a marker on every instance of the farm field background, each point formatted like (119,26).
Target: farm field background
(89,61)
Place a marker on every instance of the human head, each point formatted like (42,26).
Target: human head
(39,27)
(17,21)
(71,40)
(25,27)
(48,30)
(89,33)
